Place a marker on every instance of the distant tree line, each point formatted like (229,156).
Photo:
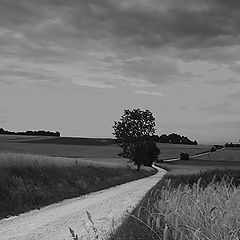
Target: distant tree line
(38,133)
(216,147)
(173,138)
(232,145)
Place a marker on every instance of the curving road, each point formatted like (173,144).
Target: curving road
(107,209)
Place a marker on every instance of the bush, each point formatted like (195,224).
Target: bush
(213,149)
(184,156)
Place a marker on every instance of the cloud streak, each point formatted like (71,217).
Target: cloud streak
(144,92)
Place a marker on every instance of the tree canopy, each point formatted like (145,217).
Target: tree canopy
(134,134)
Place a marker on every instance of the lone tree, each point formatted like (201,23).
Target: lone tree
(134,134)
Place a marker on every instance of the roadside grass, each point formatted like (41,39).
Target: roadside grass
(29,183)
(198,206)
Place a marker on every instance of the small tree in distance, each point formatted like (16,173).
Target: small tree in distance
(134,134)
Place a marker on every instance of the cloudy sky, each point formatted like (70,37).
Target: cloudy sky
(75,65)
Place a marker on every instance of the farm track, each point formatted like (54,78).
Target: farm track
(52,222)
(192,156)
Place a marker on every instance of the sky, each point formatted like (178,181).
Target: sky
(74,65)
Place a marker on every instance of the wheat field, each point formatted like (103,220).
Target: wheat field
(196,212)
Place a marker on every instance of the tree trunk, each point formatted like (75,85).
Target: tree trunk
(138,167)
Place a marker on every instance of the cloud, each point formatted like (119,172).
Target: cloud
(91,83)
(229,106)
(150,24)
(223,82)
(152,68)
(133,31)
(186,24)
(144,92)
(234,96)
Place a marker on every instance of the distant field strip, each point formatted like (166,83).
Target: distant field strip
(173,150)
(74,141)
(86,151)
(226,155)
(8,159)
(76,151)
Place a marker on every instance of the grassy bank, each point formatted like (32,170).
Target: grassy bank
(200,206)
(31,187)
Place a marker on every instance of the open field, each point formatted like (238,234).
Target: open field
(223,159)
(16,138)
(77,148)
(173,150)
(225,155)
(73,141)
(57,150)
(19,160)
(195,166)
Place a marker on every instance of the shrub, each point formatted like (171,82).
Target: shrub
(184,156)
(213,149)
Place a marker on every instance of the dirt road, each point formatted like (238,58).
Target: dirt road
(106,207)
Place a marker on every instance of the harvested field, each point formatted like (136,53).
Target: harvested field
(57,150)
(16,138)
(194,166)
(77,148)
(74,141)
(173,150)
(225,155)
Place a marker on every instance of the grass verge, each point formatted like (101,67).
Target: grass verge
(200,206)
(26,188)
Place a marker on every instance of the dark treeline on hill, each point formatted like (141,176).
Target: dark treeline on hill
(174,139)
(232,145)
(38,133)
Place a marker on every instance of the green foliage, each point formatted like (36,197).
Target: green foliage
(134,134)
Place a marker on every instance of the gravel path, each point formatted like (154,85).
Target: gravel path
(107,209)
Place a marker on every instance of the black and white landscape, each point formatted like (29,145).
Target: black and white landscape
(119,119)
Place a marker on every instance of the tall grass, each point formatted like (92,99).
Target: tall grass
(194,212)
(203,206)
(32,181)
(20,160)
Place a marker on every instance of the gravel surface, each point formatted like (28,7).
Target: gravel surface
(107,209)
